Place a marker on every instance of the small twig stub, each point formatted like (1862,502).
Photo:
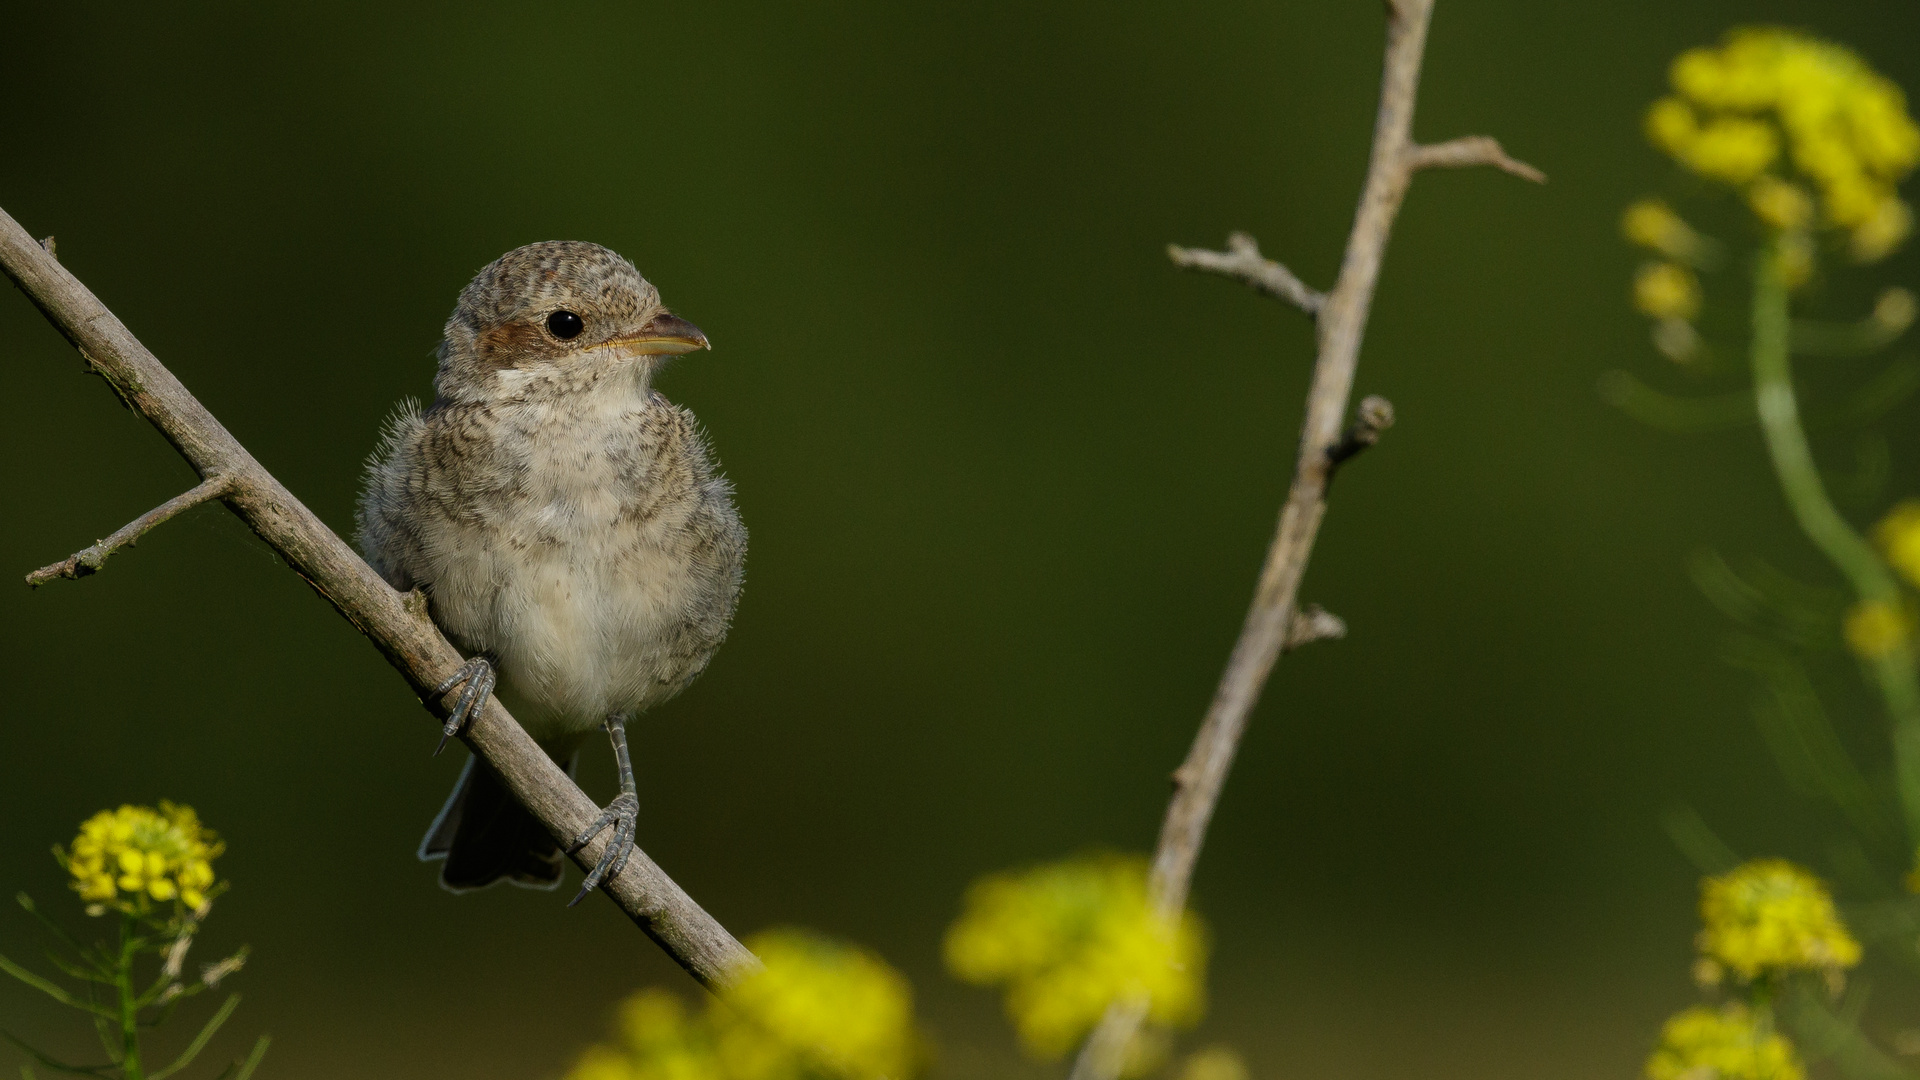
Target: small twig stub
(1243,262)
(1374,416)
(1469,151)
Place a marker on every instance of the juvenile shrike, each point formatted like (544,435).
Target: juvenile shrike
(568,527)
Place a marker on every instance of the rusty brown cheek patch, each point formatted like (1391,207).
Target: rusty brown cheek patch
(512,345)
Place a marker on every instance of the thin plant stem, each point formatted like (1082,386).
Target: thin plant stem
(129,1003)
(1873,582)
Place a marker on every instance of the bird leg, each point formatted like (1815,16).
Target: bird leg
(478,674)
(622,814)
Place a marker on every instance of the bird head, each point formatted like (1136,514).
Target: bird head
(561,313)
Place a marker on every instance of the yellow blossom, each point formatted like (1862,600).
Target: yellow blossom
(1844,127)
(1722,1044)
(1780,204)
(817,1003)
(1894,310)
(1768,916)
(1666,290)
(1733,149)
(124,858)
(1652,224)
(658,1041)
(817,1009)
(1876,237)
(1898,535)
(1794,259)
(1671,125)
(1069,939)
(1875,629)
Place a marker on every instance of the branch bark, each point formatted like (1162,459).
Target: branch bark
(398,627)
(1341,320)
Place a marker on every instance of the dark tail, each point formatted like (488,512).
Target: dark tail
(486,836)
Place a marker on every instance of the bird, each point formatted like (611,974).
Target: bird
(569,528)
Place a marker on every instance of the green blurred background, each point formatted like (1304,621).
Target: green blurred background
(1009,477)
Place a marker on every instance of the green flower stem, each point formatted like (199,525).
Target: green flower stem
(129,1002)
(1872,581)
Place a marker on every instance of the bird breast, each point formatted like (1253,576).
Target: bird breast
(599,562)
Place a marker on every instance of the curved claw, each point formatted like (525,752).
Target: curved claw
(478,674)
(623,814)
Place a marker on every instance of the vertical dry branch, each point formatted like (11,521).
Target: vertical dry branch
(1341,316)
(394,623)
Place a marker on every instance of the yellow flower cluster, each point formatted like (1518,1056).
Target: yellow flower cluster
(124,858)
(1769,916)
(1067,940)
(1770,98)
(817,1002)
(819,1009)
(1722,1044)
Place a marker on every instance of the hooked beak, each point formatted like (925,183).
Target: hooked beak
(665,334)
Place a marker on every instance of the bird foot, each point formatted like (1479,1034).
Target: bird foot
(622,814)
(478,674)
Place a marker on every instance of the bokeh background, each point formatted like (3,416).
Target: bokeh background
(1009,477)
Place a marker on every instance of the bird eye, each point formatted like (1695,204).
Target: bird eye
(565,325)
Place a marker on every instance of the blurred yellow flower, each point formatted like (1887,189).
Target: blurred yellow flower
(1780,204)
(1733,149)
(124,858)
(1875,238)
(1671,125)
(1068,939)
(818,1009)
(1845,128)
(1214,1063)
(1875,630)
(1794,258)
(1898,535)
(1652,224)
(1666,290)
(658,1040)
(817,1004)
(1723,1044)
(1769,915)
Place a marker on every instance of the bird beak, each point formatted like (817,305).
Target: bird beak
(664,335)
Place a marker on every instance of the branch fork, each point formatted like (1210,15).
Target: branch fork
(1243,262)
(89,560)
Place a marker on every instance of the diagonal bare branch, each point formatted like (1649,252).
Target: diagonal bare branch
(1272,620)
(89,560)
(1243,262)
(399,630)
(1470,150)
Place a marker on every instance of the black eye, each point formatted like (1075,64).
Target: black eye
(565,325)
